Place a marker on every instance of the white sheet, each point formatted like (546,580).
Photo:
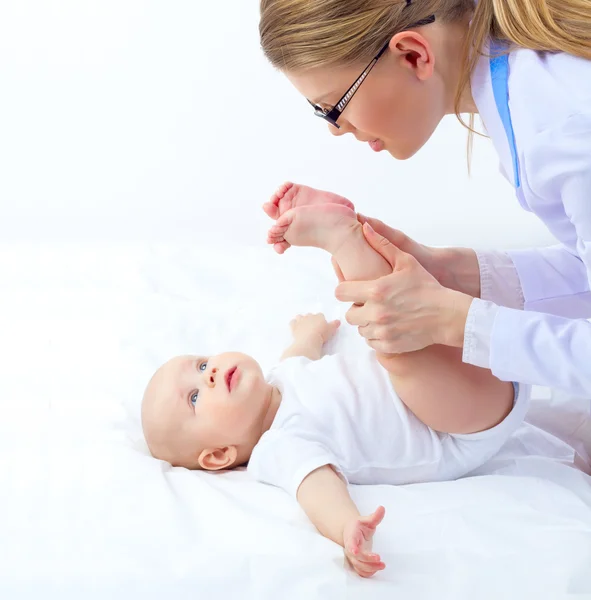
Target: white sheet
(86,513)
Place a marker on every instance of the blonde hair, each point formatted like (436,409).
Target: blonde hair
(305,34)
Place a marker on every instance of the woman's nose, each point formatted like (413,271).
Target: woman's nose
(343,128)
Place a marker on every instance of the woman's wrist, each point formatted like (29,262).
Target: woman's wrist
(454,312)
(458,269)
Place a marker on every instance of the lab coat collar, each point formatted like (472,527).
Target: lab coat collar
(483,95)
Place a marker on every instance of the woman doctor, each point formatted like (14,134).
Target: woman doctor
(387,71)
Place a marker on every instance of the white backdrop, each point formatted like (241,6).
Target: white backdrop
(137,118)
(160,120)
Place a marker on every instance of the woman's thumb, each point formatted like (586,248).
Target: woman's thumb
(377,225)
(395,236)
(382,245)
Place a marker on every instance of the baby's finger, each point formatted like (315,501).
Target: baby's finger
(333,326)
(366,570)
(354,544)
(378,566)
(368,557)
(375,519)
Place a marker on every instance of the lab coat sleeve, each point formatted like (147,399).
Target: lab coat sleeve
(499,279)
(553,280)
(558,162)
(535,347)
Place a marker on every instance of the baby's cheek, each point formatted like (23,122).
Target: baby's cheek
(230,416)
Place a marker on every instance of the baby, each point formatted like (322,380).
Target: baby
(318,423)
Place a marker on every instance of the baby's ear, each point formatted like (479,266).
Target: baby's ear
(216,459)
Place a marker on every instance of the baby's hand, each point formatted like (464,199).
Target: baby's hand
(308,326)
(358,540)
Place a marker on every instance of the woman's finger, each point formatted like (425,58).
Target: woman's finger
(354,291)
(371,331)
(383,246)
(394,236)
(386,347)
(357,316)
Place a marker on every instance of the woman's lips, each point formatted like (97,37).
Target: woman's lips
(376,145)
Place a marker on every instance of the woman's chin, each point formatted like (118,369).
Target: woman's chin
(402,153)
(408,149)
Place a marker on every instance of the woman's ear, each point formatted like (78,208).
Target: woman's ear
(216,459)
(415,52)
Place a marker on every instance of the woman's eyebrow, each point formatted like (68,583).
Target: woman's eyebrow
(324,97)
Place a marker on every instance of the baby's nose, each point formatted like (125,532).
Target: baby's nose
(211,377)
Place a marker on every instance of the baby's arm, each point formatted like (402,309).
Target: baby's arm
(310,333)
(324,497)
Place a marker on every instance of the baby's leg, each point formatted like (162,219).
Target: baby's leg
(445,393)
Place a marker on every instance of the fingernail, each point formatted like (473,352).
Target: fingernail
(368,228)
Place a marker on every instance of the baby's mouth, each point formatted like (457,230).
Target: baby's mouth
(228,378)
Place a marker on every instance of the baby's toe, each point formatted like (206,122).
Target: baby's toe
(271,209)
(281,247)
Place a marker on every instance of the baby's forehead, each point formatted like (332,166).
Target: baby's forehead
(176,367)
(173,375)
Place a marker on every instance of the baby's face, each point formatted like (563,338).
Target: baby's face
(196,404)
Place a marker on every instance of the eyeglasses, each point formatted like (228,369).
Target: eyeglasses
(332,114)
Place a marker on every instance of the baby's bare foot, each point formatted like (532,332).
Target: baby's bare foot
(291,195)
(325,226)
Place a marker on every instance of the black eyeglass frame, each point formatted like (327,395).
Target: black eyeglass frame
(331,115)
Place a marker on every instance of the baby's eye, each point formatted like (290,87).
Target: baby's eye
(194,398)
(203,366)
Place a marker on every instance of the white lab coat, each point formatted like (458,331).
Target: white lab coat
(549,342)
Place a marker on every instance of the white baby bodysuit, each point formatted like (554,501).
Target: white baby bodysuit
(343,411)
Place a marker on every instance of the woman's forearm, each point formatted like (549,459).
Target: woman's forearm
(458,269)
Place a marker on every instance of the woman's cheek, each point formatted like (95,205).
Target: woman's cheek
(378,123)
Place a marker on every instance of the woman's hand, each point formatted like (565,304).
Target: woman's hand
(358,540)
(407,310)
(454,268)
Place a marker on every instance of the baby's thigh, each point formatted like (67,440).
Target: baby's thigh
(447,394)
